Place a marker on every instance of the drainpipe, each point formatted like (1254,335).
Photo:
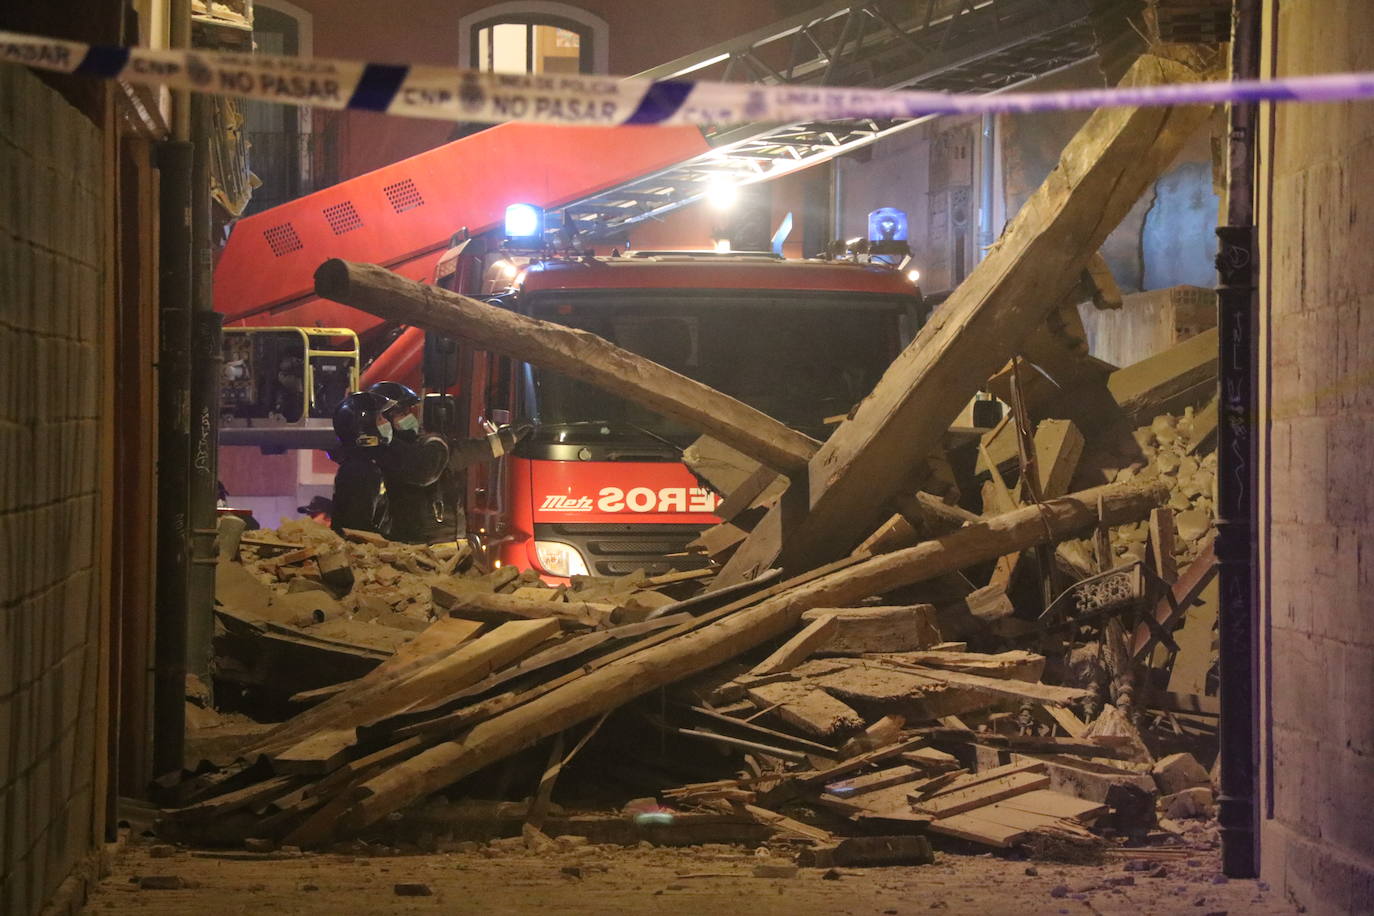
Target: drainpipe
(174,163)
(1237,474)
(204,387)
(173,453)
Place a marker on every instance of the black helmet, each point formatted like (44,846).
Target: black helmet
(403,395)
(402,398)
(359,420)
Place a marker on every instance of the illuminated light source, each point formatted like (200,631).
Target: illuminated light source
(558,559)
(914,276)
(722,193)
(887,224)
(507,268)
(524,221)
(722,246)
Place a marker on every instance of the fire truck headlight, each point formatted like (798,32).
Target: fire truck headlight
(558,559)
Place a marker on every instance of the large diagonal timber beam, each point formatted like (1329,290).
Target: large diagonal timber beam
(870,458)
(578,354)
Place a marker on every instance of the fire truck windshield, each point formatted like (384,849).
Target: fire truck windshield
(798,357)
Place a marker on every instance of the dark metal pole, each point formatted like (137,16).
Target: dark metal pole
(204,388)
(173,452)
(1237,474)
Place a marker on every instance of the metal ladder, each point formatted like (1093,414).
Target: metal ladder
(942,45)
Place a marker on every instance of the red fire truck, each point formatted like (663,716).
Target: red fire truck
(600,486)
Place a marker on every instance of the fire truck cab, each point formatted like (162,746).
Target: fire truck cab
(600,487)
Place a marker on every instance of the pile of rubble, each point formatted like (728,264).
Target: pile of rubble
(999,636)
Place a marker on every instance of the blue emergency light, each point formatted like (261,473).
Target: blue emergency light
(524,221)
(887,224)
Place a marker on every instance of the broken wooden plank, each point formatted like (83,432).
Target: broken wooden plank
(316,755)
(1162,544)
(871,782)
(1073,726)
(1100,285)
(240,798)
(1176,602)
(1025,691)
(813,711)
(974,829)
(422,679)
(784,824)
(766,735)
(461,600)
(1014,663)
(957,801)
(1088,779)
(575,353)
(744,744)
(1102,172)
(876,689)
(857,630)
(1204,425)
(931,759)
(1196,641)
(813,637)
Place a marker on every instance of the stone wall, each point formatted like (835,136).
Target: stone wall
(51,255)
(1317,841)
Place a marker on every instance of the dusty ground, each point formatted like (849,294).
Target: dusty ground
(716,880)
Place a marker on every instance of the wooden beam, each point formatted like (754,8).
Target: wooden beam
(1169,381)
(797,649)
(1058,447)
(877,629)
(575,353)
(640,672)
(868,459)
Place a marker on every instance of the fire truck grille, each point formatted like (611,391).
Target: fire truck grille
(615,550)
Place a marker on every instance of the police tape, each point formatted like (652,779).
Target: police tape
(450,93)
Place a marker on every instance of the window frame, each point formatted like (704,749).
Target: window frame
(592,31)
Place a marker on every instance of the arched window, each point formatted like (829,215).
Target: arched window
(535,36)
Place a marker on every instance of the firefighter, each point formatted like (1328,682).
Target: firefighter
(414,462)
(411,467)
(364,433)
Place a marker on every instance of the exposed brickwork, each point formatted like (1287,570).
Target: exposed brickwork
(50,286)
(1320,542)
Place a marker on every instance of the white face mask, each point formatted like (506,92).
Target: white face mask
(409,423)
(384,430)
